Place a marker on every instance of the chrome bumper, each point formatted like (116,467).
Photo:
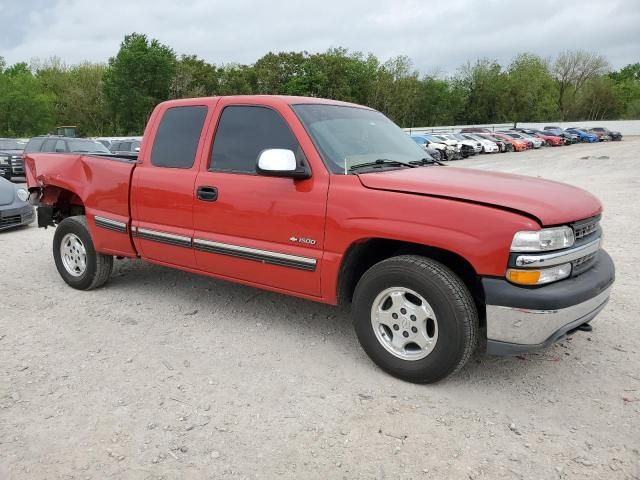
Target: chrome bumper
(521,319)
(516,330)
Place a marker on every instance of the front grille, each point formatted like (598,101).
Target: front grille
(584,228)
(583,264)
(10,220)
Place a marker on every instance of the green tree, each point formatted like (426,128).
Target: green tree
(276,72)
(25,108)
(627,89)
(194,77)
(484,88)
(84,101)
(572,69)
(599,100)
(531,90)
(438,103)
(138,77)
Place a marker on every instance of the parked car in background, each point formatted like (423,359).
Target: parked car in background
(568,137)
(15,209)
(502,144)
(613,135)
(583,136)
(477,146)
(517,144)
(125,147)
(487,145)
(54,144)
(548,138)
(602,135)
(426,146)
(467,147)
(449,152)
(537,142)
(11,164)
(475,130)
(521,136)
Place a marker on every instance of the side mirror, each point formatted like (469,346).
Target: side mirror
(280,162)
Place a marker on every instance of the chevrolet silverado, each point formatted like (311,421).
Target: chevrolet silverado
(332,202)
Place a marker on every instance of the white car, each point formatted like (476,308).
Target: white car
(487,145)
(449,150)
(475,146)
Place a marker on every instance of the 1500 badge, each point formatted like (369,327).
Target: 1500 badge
(306,241)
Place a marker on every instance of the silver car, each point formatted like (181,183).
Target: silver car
(15,209)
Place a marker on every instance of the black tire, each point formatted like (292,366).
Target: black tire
(548,143)
(98,266)
(454,308)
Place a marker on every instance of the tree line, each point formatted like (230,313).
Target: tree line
(116,98)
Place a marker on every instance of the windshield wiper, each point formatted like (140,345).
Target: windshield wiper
(428,161)
(380,162)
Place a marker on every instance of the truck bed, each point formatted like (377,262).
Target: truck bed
(99,183)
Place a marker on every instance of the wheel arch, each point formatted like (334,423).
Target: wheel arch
(362,255)
(57,203)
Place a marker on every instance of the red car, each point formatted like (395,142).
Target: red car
(332,202)
(549,140)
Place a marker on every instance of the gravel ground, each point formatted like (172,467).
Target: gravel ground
(163,374)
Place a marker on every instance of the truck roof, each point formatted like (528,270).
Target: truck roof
(261,100)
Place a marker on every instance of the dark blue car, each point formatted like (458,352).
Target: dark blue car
(584,136)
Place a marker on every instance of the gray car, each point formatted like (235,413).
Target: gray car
(15,209)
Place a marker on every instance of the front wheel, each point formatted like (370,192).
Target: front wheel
(77,261)
(415,318)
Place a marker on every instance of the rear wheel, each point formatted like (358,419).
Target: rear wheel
(415,318)
(77,261)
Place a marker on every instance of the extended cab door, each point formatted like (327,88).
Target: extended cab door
(163,185)
(259,229)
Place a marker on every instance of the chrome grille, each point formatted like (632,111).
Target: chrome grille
(583,264)
(586,227)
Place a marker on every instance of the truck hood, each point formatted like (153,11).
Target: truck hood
(551,203)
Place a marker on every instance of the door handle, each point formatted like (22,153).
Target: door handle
(207,194)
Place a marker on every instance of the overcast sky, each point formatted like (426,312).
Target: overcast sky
(438,36)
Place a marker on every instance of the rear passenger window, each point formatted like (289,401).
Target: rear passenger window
(34,145)
(49,145)
(177,137)
(243,132)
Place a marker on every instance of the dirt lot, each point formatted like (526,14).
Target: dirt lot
(163,374)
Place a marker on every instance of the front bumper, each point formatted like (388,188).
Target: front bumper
(11,216)
(17,167)
(521,319)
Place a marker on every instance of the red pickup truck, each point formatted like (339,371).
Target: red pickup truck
(332,202)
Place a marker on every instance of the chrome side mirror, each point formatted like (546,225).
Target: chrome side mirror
(280,162)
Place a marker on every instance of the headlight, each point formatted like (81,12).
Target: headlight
(543,240)
(22,194)
(4,160)
(539,277)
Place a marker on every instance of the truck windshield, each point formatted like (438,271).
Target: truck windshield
(349,136)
